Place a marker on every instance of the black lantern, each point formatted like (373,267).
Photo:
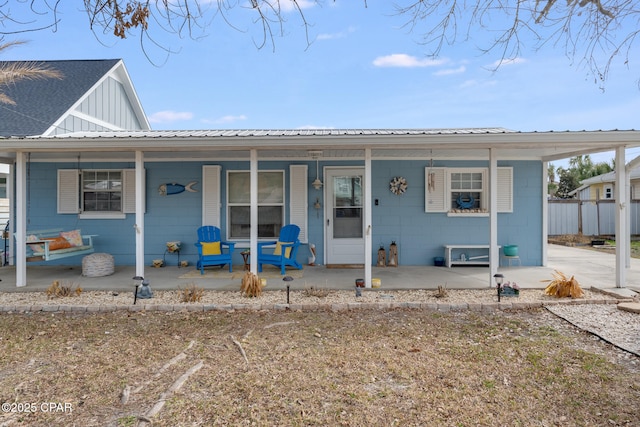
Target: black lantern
(137,282)
(499,278)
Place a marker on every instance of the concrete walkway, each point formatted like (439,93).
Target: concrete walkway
(591,269)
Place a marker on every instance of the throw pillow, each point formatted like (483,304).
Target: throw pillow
(58,243)
(211,248)
(34,247)
(278,249)
(73,237)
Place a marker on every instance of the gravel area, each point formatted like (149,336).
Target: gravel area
(618,327)
(596,312)
(307,296)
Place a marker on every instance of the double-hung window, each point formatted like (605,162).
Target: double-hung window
(271,204)
(101,191)
(464,192)
(467,190)
(97,193)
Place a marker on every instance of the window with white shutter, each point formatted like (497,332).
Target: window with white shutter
(465,191)
(298,183)
(435,193)
(211,195)
(505,189)
(93,193)
(68,191)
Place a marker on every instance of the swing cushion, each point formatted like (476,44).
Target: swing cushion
(73,237)
(35,248)
(211,248)
(58,243)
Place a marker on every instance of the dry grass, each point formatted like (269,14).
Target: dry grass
(563,287)
(251,286)
(57,290)
(360,368)
(191,293)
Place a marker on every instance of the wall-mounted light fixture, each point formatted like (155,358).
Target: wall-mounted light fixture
(317,184)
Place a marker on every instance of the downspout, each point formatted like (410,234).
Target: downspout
(20,255)
(545,213)
(139,224)
(11,186)
(253,234)
(367,218)
(494,255)
(622,231)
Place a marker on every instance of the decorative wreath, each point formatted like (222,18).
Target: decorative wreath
(398,185)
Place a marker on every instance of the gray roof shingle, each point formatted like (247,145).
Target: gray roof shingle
(40,103)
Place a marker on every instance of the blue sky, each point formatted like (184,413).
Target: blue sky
(362,70)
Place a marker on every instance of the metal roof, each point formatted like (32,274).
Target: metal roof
(290,144)
(279,133)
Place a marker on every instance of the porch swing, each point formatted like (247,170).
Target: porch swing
(53,244)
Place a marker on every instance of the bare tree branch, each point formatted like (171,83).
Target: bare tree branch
(593,32)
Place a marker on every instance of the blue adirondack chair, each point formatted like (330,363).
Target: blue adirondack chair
(285,251)
(211,249)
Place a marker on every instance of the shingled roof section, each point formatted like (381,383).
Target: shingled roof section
(40,103)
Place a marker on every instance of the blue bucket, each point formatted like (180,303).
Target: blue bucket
(438,261)
(510,250)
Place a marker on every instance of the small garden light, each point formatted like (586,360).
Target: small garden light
(499,278)
(137,282)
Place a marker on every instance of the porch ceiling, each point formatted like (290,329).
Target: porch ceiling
(334,144)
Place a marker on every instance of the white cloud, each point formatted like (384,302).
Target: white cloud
(507,61)
(227,119)
(461,69)
(338,35)
(288,5)
(170,116)
(312,127)
(404,60)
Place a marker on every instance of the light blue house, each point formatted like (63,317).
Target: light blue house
(350,191)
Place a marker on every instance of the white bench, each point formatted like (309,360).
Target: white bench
(469,260)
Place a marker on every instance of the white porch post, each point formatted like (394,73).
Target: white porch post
(494,255)
(367,217)
(139,224)
(627,192)
(253,178)
(20,255)
(545,212)
(11,183)
(622,205)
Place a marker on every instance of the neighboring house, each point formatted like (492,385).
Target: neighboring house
(91,95)
(484,186)
(602,187)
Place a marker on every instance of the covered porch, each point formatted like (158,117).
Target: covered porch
(487,147)
(591,268)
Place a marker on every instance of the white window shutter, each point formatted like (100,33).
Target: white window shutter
(129,191)
(68,191)
(211,195)
(505,189)
(435,190)
(298,182)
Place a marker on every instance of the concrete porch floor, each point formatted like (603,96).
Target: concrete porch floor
(591,269)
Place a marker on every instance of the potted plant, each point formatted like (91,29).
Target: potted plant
(510,289)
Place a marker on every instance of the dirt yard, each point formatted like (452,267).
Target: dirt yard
(585,243)
(366,368)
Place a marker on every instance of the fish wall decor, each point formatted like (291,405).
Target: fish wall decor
(175,188)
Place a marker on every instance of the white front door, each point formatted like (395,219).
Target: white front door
(344,215)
